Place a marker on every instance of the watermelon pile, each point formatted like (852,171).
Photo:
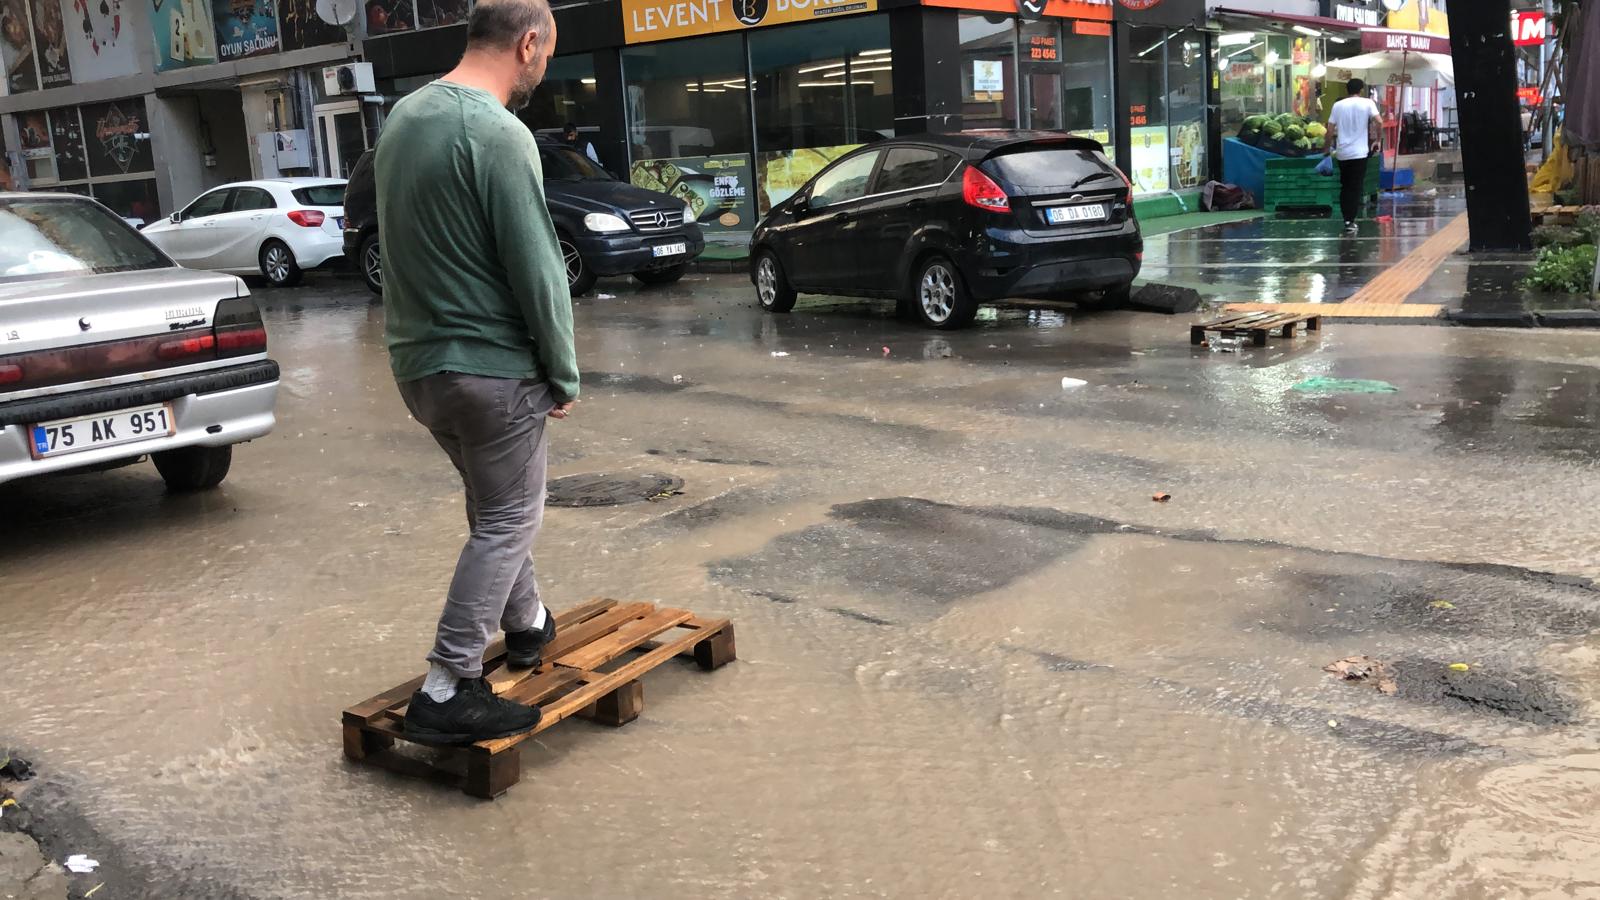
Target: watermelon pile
(1286,134)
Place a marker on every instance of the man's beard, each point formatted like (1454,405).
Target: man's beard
(522,92)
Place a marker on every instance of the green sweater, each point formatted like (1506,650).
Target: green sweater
(473,277)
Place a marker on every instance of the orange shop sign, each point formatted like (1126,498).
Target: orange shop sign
(659,20)
(1098,10)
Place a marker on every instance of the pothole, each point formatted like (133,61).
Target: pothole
(601,489)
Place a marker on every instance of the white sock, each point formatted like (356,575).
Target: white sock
(538,618)
(440,685)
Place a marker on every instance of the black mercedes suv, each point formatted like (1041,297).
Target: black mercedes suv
(606,226)
(944,222)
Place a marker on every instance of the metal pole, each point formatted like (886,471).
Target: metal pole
(1547,54)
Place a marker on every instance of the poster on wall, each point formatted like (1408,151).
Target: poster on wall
(1188,157)
(67,138)
(389,16)
(1151,164)
(433,13)
(16,46)
(780,173)
(300,27)
(245,28)
(717,189)
(117,137)
(184,33)
(99,42)
(988,75)
(34,132)
(50,43)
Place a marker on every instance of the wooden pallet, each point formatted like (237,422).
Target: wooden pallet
(1557,215)
(1259,325)
(585,673)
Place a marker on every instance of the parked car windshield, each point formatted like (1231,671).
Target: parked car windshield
(1054,167)
(561,164)
(321,195)
(42,237)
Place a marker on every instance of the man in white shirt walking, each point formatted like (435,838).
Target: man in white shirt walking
(1353,139)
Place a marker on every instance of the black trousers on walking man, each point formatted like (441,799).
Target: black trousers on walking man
(1352,185)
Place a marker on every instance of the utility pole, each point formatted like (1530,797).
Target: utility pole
(1547,55)
(1491,125)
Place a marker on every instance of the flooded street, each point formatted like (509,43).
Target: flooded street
(975,657)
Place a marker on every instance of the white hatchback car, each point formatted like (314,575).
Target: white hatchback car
(276,227)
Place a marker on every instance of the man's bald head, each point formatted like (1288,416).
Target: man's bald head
(515,36)
(502,24)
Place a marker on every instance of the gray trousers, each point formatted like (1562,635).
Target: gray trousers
(493,431)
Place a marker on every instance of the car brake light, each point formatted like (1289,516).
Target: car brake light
(10,374)
(979,190)
(186,347)
(238,328)
(307,218)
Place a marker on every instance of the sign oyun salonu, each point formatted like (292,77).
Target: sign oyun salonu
(659,20)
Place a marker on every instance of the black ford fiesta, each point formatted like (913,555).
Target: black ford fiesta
(945,222)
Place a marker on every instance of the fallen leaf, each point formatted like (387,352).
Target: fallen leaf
(1459,667)
(1161,496)
(1442,604)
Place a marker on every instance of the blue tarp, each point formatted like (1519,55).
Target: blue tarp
(1246,166)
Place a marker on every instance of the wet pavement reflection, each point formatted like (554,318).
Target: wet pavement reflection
(975,657)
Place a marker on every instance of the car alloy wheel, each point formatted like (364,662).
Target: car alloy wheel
(767,281)
(277,262)
(372,265)
(569,255)
(937,293)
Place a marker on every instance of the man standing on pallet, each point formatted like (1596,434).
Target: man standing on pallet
(1354,126)
(480,340)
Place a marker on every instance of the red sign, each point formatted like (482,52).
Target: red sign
(1527,27)
(1092,29)
(1043,48)
(1529,96)
(1413,41)
(1139,4)
(1057,9)
(1138,114)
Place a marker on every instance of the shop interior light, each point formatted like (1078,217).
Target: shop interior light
(1311,32)
(1236,38)
(1319,71)
(587,80)
(836,64)
(884,51)
(857,70)
(1156,45)
(1336,39)
(1272,57)
(832,84)
(713,90)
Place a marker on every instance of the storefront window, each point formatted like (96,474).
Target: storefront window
(1186,108)
(819,92)
(1039,60)
(989,71)
(1086,80)
(102,150)
(1147,110)
(133,199)
(567,94)
(689,127)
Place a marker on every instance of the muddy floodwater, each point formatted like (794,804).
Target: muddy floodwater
(976,657)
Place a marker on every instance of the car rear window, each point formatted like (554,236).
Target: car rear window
(1055,167)
(321,195)
(44,237)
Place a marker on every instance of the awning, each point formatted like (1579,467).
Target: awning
(1392,65)
(1323,23)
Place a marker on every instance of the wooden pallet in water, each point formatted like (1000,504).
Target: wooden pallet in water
(586,672)
(1258,325)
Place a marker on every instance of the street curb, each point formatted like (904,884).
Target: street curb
(1491,319)
(1569,318)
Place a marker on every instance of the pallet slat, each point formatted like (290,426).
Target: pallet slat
(1259,325)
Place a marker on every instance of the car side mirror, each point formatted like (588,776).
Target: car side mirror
(802,204)
(177,217)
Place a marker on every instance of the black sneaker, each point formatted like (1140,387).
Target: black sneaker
(473,714)
(525,649)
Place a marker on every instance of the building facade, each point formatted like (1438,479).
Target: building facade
(143,104)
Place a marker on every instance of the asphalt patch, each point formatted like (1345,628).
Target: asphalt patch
(1525,695)
(1435,600)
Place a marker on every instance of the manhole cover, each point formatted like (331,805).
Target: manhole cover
(610,490)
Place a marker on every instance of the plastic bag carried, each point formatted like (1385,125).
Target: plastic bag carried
(1326,166)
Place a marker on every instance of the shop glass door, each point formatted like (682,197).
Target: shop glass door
(342,138)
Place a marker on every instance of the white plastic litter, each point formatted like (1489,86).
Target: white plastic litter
(81,864)
(1068,383)
(777,353)
(677,379)
(605,296)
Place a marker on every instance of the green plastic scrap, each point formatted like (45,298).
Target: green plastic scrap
(1344,386)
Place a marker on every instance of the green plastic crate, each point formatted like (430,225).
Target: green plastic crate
(1294,183)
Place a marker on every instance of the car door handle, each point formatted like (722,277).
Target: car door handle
(257,218)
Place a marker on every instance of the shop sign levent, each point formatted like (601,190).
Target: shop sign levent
(659,20)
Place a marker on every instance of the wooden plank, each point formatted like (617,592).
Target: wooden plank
(599,652)
(574,702)
(415,768)
(502,679)
(533,691)
(360,743)
(376,704)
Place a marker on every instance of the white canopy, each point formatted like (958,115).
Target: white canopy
(1386,66)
